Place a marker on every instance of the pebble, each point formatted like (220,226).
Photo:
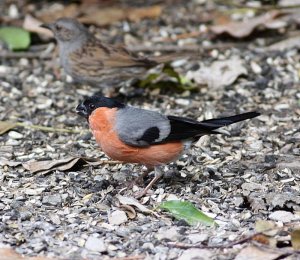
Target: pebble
(117,217)
(182,102)
(95,244)
(283,216)
(169,234)
(15,135)
(196,253)
(256,68)
(198,237)
(54,199)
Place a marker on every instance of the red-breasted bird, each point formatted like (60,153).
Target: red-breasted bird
(134,135)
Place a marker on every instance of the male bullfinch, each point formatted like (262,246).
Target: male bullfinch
(135,135)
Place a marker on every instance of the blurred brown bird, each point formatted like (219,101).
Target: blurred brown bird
(89,60)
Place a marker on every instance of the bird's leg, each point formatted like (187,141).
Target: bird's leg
(158,174)
(140,179)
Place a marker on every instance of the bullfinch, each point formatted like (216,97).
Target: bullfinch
(135,135)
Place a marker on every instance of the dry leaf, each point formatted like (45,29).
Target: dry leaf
(245,28)
(266,227)
(61,164)
(46,166)
(262,239)
(129,211)
(131,201)
(295,237)
(293,42)
(6,126)
(109,15)
(5,162)
(136,14)
(32,24)
(219,74)
(255,253)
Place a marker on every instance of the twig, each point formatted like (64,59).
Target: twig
(229,245)
(50,129)
(28,55)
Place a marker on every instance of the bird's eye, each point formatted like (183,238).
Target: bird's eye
(91,106)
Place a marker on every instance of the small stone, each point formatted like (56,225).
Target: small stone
(169,234)
(283,216)
(195,253)
(15,135)
(54,199)
(95,244)
(198,237)
(117,217)
(182,102)
(256,68)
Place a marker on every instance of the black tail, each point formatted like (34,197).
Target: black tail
(185,128)
(216,123)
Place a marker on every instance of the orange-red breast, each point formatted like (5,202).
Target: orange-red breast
(135,135)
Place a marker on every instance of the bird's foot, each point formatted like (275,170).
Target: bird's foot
(157,177)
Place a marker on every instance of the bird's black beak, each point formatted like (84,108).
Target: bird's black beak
(46,26)
(82,110)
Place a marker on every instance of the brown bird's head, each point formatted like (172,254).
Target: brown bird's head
(67,29)
(86,107)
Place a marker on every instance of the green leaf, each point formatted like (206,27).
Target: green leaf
(16,38)
(187,211)
(6,126)
(150,78)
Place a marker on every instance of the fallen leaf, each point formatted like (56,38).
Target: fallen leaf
(293,42)
(61,164)
(131,201)
(46,166)
(129,211)
(219,74)
(5,162)
(175,81)
(245,28)
(136,14)
(32,24)
(16,38)
(266,227)
(187,211)
(262,239)
(109,15)
(6,126)
(255,253)
(295,238)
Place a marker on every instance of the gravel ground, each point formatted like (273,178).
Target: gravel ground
(251,174)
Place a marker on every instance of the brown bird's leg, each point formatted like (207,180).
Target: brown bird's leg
(140,179)
(158,174)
